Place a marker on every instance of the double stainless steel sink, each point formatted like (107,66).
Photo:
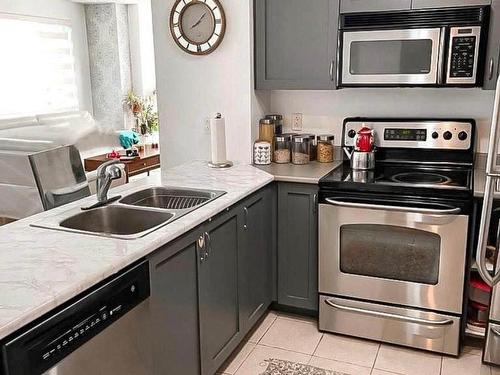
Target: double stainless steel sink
(133,216)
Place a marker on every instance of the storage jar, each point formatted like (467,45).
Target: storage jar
(301,149)
(278,123)
(282,149)
(325,148)
(262,153)
(266,130)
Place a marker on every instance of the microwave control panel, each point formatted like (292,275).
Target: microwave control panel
(463,55)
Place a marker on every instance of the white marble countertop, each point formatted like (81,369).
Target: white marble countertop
(40,268)
(308,174)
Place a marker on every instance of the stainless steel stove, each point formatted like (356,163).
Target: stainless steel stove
(393,241)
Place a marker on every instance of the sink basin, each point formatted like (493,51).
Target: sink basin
(171,198)
(117,221)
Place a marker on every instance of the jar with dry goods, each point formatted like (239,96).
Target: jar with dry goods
(325,148)
(282,149)
(301,149)
(266,130)
(313,148)
(278,123)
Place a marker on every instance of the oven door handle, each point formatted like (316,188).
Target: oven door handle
(428,211)
(408,319)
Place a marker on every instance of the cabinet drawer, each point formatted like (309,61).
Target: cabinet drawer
(144,164)
(354,6)
(396,325)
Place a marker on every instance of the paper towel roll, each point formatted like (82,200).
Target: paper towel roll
(218,140)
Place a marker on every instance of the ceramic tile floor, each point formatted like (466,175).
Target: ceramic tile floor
(296,338)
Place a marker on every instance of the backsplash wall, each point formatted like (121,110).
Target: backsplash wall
(324,111)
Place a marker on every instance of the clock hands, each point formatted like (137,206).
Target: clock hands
(199,21)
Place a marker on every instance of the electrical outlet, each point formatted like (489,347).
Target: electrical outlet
(297,121)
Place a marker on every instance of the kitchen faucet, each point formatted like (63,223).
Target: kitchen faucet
(106,173)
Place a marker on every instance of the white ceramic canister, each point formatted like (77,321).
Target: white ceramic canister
(262,153)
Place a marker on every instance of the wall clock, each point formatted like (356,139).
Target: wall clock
(198,26)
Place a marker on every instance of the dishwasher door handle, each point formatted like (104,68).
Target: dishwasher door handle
(416,210)
(381,314)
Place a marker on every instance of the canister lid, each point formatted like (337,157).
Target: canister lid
(303,138)
(266,121)
(275,117)
(326,137)
(283,138)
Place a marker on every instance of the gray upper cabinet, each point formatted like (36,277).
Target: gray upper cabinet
(256,257)
(420,4)
(295,44)
(174,307)
(218,292)
(492,68)
(298,246)
(354,6)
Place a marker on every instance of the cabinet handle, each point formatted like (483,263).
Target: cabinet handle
(201,248)
(491,68)
(332,65)
(245,220)
(208,245)
(315,202)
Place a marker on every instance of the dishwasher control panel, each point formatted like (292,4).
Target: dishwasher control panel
(42,346)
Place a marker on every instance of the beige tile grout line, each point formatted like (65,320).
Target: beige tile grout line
(248,355)
(316,348)
(376,356)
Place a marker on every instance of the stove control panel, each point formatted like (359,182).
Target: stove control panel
(438,135)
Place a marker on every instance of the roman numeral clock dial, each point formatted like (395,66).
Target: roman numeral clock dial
(198,26)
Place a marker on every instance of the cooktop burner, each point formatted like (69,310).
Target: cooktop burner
(403,178)
(421,178)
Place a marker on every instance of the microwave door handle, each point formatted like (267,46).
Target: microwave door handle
(427,211)
(442,64)
(408,319)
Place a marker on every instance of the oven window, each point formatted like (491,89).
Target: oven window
(390,252)
(391,57)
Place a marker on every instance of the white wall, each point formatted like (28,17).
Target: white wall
(65,10)
(193,88)
(324,111)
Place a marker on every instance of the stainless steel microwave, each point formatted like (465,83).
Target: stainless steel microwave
(413,48)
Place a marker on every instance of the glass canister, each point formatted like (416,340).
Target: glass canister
(301,149)
(325,148)
(282,149)
(312,142)
(278,123)
(266,130)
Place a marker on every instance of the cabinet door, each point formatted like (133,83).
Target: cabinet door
(295,44)
(298,246)
(492,68)
(419,4)
(255,257)
(174,307)
(218,292)
(354,6)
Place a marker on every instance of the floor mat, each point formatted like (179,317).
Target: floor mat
(280,367)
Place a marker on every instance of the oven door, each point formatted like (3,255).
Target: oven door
(392,57)
(389,252)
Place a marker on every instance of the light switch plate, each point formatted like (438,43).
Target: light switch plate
(297,121)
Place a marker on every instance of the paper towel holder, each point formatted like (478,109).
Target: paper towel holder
(223,164)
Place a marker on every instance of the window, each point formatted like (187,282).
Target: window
(37,72)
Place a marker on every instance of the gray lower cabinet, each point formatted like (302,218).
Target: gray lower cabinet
(354,6)
(492,68)
(295,44)
(220,330)
(256,256)
(174,307)
(211,286)
(298,246)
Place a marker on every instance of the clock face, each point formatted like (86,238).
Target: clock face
(197,26)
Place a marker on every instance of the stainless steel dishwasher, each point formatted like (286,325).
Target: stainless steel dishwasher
(104,331)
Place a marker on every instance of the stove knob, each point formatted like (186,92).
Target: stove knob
(435,135)
(447,135)
(351,133)
(462,136)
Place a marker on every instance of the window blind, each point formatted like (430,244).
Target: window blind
(37,68)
